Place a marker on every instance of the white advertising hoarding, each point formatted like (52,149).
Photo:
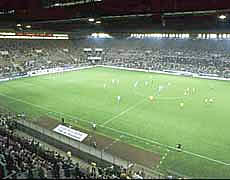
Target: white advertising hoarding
(72,133)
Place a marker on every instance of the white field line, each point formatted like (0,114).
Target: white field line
(38,106)
(123,112)
(122,132)
(167,146)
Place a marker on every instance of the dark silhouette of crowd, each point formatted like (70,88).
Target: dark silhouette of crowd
(22,157)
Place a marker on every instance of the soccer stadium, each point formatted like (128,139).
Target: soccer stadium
(104,89)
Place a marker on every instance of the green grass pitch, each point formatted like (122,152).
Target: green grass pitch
(156,125)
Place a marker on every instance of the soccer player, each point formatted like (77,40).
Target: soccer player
(160,88)
(146,83)
(193,89)
(136,83)
(211,100)
(104,85)
(118,82)
(94,126)
(151,98)
(179,147)
(118,99)
(113,81)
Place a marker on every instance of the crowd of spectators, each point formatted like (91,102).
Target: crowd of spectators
(21,56)
(195,56)
(188,57)
(23,157)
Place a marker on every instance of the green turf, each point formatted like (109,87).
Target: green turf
(80,96)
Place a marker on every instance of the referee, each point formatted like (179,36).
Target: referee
(179,147)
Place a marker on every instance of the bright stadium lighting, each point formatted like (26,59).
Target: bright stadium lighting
(94,35)
(61,35)
(7,34)
(98,22)
(100,35)
(91,19)
(213,36)
(28,26)
(222,17)
(19,25)
(203,36)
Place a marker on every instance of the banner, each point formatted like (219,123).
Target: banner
(98,49)
(74,134)
(38,50)
(4,52)
(94,58)
(87,49)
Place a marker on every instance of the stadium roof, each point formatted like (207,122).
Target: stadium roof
(73,15)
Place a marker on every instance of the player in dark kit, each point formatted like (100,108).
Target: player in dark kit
(179,147)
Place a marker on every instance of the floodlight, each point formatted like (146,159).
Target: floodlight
(91,19)
(222,17)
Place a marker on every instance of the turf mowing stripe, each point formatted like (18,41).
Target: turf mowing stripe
(123,112)
(121,132)
(41,107)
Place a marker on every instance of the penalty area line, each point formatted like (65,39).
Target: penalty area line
(121,132)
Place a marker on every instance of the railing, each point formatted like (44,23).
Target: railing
(100,154)
(80,146)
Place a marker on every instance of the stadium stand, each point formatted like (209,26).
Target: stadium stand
(26,158)
(195,56)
